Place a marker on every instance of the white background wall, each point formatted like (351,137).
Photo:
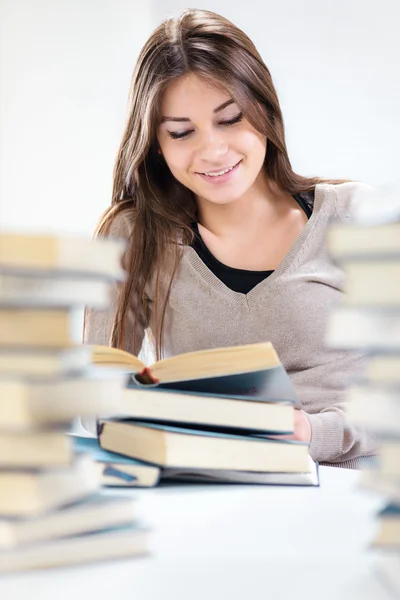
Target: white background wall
(65,67)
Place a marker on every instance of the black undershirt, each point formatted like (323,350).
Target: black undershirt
(241,280)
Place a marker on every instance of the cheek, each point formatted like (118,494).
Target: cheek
(254,145)
(177,158)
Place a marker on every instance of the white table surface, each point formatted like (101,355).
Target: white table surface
(234,542)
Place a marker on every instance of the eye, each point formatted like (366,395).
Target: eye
(178,135)
(233,121)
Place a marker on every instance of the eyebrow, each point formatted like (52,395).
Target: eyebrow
(216,110)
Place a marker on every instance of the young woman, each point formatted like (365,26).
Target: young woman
(225,243)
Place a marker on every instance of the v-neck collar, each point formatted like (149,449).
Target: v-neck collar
(239,298)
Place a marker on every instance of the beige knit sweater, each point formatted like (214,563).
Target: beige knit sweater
(290,308)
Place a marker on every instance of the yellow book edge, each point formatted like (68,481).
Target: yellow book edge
(213,362)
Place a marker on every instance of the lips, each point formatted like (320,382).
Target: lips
(221,170)
(221,179)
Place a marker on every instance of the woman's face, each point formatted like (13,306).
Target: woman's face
(206,142)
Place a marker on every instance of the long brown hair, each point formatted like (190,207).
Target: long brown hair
(159,207)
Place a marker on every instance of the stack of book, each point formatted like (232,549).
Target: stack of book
(219,415)
(51,511)
(368,320)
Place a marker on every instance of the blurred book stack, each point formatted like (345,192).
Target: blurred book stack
(51,509)
(218,415)
(368,319)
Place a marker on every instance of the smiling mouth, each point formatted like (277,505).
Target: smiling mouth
(219,173)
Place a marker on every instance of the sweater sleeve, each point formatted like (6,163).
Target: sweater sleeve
(335,439)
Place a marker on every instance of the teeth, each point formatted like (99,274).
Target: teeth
(220,173)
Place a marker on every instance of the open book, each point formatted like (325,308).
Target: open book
(252,370)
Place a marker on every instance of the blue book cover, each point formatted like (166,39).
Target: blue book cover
(267,385)
(114,464)
(390,510)
(207,426)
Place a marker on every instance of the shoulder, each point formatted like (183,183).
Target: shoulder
(346,195)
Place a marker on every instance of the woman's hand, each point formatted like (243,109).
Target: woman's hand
(302,428)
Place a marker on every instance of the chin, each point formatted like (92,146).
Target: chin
(225,198)
(222,201)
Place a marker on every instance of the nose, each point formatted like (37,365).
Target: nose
(212,147)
